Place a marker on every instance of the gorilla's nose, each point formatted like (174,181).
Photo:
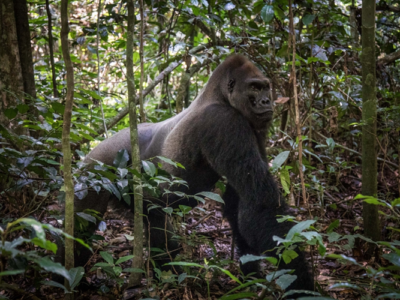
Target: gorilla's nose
(265,102)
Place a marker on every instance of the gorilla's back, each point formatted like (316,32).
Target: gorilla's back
(151,140)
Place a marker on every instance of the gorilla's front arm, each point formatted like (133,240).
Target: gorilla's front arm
(253,205)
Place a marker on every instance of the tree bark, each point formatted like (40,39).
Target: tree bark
(141,53)
(11,80)
(182,91)
(293,86)
(135,278)
(68,183)
(369,154)
(24,46)
(51,44)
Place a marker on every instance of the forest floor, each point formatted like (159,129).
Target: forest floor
(208,239)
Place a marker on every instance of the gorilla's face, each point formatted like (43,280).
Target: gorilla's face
(252,98)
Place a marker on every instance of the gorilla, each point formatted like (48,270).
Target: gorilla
(222,133)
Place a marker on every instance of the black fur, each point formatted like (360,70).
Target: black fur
(222,133)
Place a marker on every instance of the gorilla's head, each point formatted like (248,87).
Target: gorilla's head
(245,87)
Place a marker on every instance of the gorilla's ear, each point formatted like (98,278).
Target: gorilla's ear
(231,85)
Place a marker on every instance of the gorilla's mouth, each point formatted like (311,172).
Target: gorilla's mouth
(265,114)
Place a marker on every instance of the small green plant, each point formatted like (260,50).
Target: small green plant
(112,267)
(15,261)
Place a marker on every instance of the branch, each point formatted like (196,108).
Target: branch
(197,22)
(356,152)
(388,8)
(387,59)
(153,84)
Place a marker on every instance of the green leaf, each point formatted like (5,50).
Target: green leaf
(149,168)
(58,107)
(344,285)
(250,257)
(10,113)
(299,228)
(108,174)
(289,255)
(93,94)
(87,217)
(117,270)
(335,224)
(212,196)
(307,19)
(199,199)
(267,13)
(333,237)
(50,266)
(22,108)
(344,257)
(393,258)
(171,162)
(121,159)
(102,265)
(395,202)
(244,295)
(133,270)
(359,196)
(285,280)
(168,210)
(181,277)
(285,180)
(112,189)
(76,275)
(124,259)
(185,209)
(184,264)
(373,201)
(280,159)
(48,245)
(136,57)
(107,257)
(227,273)
(37,227)
(276,274)
(11,272)
(54,284)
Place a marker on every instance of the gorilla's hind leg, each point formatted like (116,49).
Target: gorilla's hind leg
(161,233)
(231,199)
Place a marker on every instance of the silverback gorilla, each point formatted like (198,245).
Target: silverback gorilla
(222,133)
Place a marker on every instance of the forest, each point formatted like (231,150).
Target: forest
(200,149)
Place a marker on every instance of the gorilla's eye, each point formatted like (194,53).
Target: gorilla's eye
(252,100)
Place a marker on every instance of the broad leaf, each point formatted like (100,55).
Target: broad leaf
(122,158)
(280,159)
(212,196)
(285,280)
(267,13)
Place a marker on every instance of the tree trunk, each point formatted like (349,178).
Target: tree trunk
(24,45)
(135,278)
(51,44)
(369,155)
(182,91)
(66,149)
(11,80)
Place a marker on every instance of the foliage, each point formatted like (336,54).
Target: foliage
(329,87)
(19,262)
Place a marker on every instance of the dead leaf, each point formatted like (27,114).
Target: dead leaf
(282,100)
